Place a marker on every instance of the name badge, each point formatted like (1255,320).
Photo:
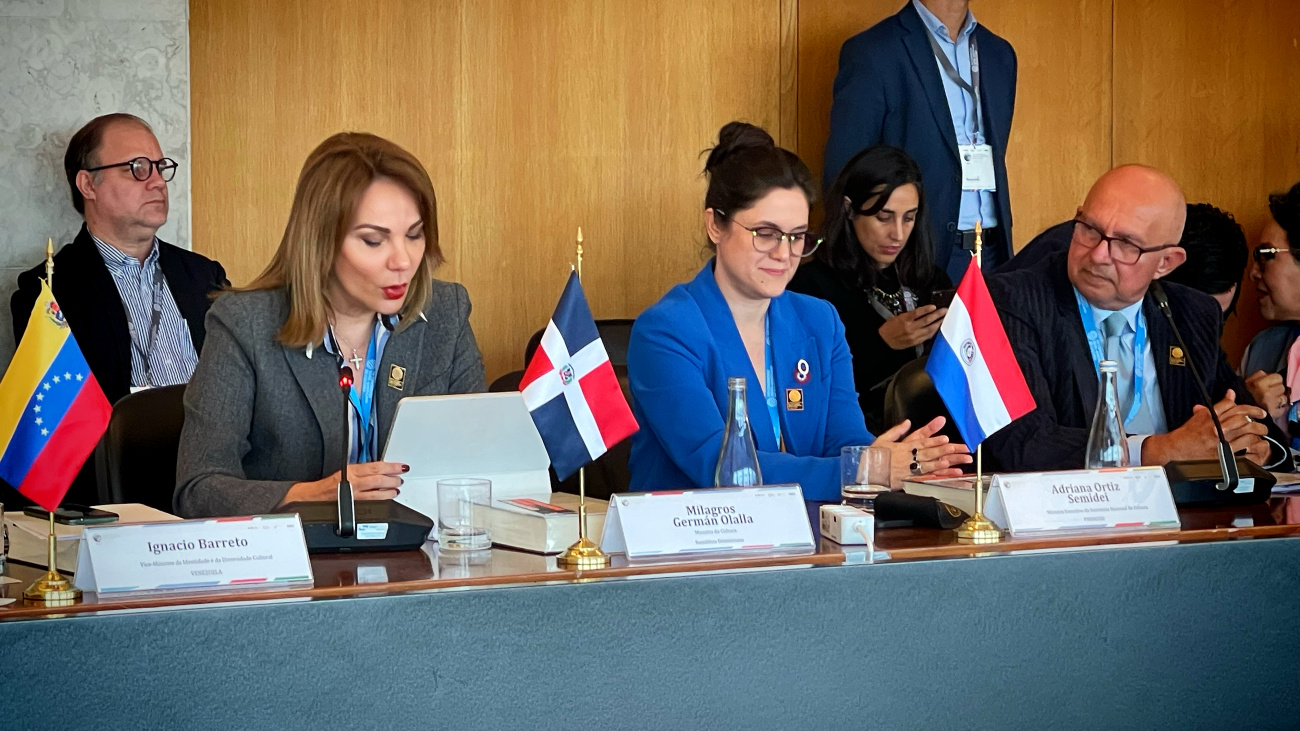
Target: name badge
(657,526)
(977,167)
(193,555)
(1038,503)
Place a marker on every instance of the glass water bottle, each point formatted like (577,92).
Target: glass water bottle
(738,461)
(1107,443)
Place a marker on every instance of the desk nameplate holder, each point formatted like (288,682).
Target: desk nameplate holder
(678,525)
(194,556)
(1082,501)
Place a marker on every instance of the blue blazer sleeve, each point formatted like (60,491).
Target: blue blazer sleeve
(680,390)
(858,110)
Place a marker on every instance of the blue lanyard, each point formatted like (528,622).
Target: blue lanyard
(772,412)
(1096,344)
(363,403)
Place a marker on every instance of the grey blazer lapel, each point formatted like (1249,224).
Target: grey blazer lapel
(318,377)
(402,350)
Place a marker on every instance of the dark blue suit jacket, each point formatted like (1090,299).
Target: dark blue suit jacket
(888,91)
(682,351)
(1042,321)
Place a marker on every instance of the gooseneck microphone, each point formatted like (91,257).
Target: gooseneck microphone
(1227,461)
(346,525)
(347,507)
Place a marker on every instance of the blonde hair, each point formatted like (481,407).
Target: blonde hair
(333,179)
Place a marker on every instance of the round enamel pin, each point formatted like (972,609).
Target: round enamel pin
(802,371)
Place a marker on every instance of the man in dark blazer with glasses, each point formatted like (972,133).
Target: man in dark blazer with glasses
(1093,302)
(134,303)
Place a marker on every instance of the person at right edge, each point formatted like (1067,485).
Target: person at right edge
(1092,303)
(1271,363)
(934,82)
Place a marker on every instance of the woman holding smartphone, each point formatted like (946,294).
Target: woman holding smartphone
(876,268)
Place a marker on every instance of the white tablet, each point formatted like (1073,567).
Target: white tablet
(485,435)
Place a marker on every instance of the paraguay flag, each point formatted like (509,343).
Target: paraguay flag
(52,411)
(973,367)
(571,390)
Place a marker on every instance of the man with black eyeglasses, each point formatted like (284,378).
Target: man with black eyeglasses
(1092,302)
(134,303)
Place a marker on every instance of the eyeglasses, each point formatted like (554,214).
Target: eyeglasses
(767,238)
(143,167)
(1263,254)
(1122,251)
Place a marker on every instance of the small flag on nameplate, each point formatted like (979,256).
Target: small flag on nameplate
(973,367)
(52,411)
(570,388)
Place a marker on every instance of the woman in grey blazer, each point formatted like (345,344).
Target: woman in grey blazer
(350,286)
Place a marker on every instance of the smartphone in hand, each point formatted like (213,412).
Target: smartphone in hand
(943,297)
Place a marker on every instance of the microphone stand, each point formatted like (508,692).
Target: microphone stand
(347,507)
(1227,461)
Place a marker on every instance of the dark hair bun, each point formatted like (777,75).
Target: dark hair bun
(736,137)
(1285,208)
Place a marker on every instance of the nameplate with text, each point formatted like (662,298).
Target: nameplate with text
(707,523)
(194,555)
(1075,501)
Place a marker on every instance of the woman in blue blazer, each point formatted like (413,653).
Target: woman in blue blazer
(736,319)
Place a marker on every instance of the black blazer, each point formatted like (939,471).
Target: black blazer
(90,301)
(888,91)
(95,313)
(874,362)
(1041,318)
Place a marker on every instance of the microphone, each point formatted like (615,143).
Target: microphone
(1227,461)
(347,526)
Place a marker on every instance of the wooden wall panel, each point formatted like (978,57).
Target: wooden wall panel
(536,117)
(532,117)
(1209,90)
(1060,137)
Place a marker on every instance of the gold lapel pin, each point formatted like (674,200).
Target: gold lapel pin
(794,399)
(397,377)
(1176,357)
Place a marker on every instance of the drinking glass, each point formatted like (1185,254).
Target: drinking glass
(864,474)
(462,514)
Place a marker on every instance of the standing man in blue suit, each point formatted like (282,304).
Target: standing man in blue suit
(934,82)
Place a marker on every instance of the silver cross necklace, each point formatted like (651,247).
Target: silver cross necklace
(356,360)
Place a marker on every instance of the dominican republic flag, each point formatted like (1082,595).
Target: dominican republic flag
(973,367)
(52,411)
(571,390)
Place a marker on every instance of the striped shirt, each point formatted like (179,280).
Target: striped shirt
(356,427)
(170,358)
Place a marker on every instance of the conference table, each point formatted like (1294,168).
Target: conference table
(1188,628)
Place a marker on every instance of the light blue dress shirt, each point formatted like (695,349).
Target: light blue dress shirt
(975,204)
(357,428)
(1150,383)
(172,358)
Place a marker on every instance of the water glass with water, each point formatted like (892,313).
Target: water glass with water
(462,514)
(864,474)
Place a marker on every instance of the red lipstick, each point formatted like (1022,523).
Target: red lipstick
(395,292)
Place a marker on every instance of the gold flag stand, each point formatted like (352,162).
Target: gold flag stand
(584,554)
(53,589)
(977,528)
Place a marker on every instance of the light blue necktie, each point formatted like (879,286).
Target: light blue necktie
(1115,327)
